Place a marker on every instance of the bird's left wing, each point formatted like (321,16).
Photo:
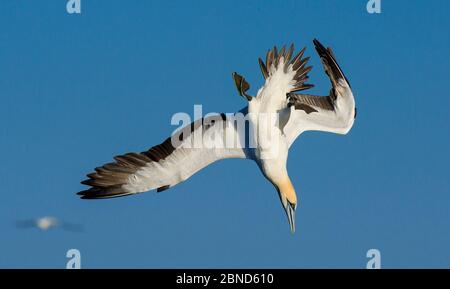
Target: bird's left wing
(332,113)
(180,156)
(71,227)
(25,224)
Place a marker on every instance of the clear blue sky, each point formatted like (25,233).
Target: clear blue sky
(76,90)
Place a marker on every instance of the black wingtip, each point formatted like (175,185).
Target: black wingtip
(99,197)
(328,55)
(103,192)
(321,50)
(85,194)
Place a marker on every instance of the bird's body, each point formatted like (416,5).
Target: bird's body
(46,223)
(275,117)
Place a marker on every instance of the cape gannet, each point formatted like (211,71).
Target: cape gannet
(173,161)
(48,222)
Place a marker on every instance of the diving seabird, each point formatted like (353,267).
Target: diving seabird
(167,164)
(47,223)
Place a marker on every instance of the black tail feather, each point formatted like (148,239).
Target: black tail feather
(298,64)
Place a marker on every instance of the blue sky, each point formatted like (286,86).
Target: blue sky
(76,90)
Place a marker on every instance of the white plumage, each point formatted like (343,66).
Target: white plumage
(276,117)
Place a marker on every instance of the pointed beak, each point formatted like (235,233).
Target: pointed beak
(290,212)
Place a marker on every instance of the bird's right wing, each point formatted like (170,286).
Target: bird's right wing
(184,153)
(332,113)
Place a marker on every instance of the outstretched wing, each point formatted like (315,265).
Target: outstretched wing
(333,113)
(25,224)
(184,153)
(71,227)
